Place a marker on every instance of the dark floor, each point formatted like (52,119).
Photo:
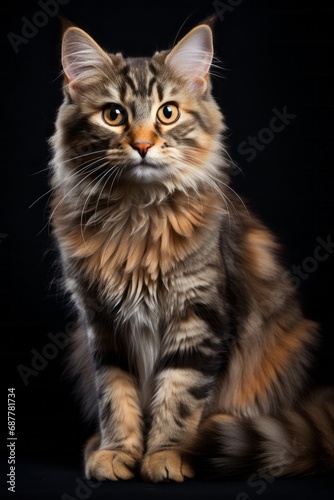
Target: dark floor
(47,481)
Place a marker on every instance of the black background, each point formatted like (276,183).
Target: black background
(273,54)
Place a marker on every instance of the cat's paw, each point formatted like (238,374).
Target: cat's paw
(166,465)
(110,464)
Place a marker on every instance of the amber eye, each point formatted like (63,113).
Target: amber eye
(114,114)
(168,113)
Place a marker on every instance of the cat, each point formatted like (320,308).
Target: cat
(191,346)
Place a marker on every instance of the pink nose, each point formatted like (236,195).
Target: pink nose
(142,147)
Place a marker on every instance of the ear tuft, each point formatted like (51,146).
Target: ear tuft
(82,59)
(191,58)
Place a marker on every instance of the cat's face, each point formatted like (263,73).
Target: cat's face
(139,121)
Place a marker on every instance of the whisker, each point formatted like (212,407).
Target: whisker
(214,181)
(114,233)
(218,180)
(102,175)
(40,171)
(75,186)
(67,178)
(86,154)
(108,174)
(50,191)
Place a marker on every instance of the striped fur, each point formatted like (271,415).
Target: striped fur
(191,346)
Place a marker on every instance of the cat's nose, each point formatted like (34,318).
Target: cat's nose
(142,147)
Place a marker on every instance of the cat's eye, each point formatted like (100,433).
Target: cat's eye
(168,113)
(114,114)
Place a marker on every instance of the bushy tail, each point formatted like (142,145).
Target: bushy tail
(299,441)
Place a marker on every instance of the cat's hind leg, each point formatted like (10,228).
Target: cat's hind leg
(298,440)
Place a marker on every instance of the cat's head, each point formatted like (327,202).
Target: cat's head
(139,121)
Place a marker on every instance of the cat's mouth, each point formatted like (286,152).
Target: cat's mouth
(144,170)
(143,164)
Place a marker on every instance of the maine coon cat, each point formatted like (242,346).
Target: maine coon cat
(191,346)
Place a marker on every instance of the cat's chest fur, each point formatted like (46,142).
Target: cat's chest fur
(146,263)
(136,254)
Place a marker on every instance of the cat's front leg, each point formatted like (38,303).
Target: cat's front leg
(176,412)
(193,353)
(183,385)
(114,453)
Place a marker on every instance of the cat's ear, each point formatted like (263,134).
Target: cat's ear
(191,58)
(83,60)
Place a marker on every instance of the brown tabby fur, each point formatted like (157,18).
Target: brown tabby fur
(191,345)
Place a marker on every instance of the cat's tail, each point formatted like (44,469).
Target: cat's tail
(299,441)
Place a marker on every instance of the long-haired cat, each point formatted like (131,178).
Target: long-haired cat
(191,345)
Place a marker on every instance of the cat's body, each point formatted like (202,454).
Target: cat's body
(190,338)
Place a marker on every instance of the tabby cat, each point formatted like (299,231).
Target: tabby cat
(191,346)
